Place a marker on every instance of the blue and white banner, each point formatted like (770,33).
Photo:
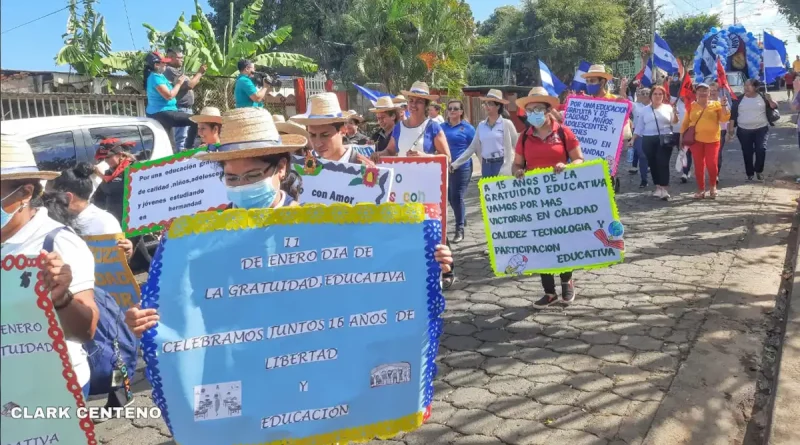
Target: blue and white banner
(551,83)
(775,58)
(663,56)
(578,82)
(371,95)
(647,77)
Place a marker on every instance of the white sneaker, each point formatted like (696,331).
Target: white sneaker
(658,193)
(665,195)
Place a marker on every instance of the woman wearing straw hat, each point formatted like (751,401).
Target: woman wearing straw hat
(68,269)
(546,144)
(352,135)
(324,121)
(387,113)
(161,98)
(209,125)
(255,161)
(417,135)
(494,141)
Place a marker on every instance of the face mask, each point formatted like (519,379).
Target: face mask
(5,217)
(258,195)
(593,89)
(536,118)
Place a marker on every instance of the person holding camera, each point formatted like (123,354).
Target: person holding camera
(185,97)
(161,102)
(245,91)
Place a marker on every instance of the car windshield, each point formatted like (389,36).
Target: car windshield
(735,79)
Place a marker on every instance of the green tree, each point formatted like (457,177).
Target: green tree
(638,28)
(791,10)
(565,33)
(87,47)
(683,34)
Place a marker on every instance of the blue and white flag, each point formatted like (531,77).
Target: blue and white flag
(663,56)
(552,84)
(647,76)
(775,58)
(578,82)
(708,61)
(371,95)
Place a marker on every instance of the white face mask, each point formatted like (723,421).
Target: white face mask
(5,217)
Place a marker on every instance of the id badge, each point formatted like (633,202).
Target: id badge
(117,378)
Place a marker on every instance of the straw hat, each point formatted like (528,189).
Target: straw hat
(385,103)
(420,89)
(323,109)
(250,132)
(494,96)
(17,161)
(288,127)
(400,100)
(208,115)
(355,116)
(538,95)
(597,71)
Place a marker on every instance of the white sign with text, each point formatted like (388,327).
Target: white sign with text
(328,182)
(599,126)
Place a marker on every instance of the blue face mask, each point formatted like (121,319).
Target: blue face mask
(536,118)
(258,195)
(593,89)
(5,217)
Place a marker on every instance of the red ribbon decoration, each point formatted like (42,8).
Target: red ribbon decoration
(616,244)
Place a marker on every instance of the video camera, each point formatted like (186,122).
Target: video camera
(265,79)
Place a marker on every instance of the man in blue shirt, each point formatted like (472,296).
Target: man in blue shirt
(245,91)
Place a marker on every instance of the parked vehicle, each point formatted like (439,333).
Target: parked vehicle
(736,81)
(61,142)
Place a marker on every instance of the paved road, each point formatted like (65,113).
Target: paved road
(668,348)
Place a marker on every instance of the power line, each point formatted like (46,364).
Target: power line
(36,19)
(130,30)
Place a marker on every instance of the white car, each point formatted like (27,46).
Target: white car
(60,142)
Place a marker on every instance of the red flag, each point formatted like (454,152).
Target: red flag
(680,68)
(722,79)
(687,92)
(641,73)
(667,99)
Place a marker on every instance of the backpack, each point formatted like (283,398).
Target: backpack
(114,347)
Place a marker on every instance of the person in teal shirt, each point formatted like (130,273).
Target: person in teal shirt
(161,102)
(245,91)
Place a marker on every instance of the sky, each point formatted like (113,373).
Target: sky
(33,47)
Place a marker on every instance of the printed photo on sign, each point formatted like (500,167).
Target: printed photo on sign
(552,222)
(111,270)
(158,191)
(599,125)
(217,401)
(422,180)
(329,182)
(317,319)
(33,375)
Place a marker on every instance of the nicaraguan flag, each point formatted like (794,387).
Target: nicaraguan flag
(550,83)
(663,56)
(647,77)
(774,58)
(578,82)
(371,95)
(708,62)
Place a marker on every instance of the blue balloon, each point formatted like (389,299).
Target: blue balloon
(616,229)
(714,30)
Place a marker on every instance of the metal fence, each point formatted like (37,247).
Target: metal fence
(28,105)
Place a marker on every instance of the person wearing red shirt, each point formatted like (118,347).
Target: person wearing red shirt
(546,143)
(789,78)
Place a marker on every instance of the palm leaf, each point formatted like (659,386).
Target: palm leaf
(248,18)
(287,60)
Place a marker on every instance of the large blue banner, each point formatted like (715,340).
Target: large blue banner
(307,324)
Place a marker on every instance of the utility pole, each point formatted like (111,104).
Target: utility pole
(734,11)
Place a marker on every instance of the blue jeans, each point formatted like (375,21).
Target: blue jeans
(457,189)
(491,167)
(640,159)
(85,391)
(181,133)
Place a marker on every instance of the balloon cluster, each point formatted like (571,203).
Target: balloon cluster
(721,48)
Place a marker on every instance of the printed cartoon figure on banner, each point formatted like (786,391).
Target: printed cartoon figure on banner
(36,370)
(265,334)
(328,182)
(423,180)
(599,125)
(111,270)
(160,190)
(552,222)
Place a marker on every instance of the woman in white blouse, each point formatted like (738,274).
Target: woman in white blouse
(749,117)
(495,139)
(654,125)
